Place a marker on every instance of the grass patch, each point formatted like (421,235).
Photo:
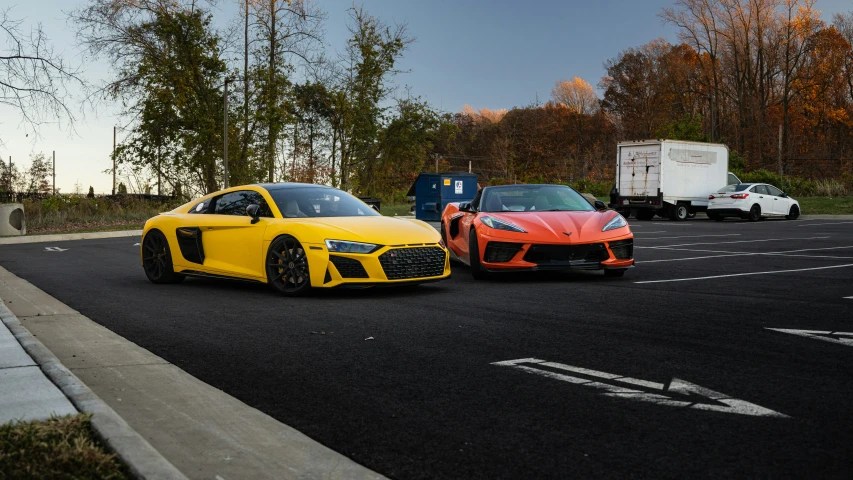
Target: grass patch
(397,209)
(61,448)
(826,205)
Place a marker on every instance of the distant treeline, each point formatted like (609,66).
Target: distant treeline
(742,69)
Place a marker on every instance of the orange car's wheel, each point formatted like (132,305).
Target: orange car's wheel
(477,270)
(287,267)
(157,259)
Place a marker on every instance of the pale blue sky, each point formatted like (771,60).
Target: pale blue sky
(495,54)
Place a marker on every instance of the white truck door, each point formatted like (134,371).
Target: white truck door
(639,170)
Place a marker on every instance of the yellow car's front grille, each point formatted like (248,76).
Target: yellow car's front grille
(419,262)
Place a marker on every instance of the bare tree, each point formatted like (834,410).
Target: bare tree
(577,95)
(34,79)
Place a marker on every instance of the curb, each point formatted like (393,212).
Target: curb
(61,237)
(143,461)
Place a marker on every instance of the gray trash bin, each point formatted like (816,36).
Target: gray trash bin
(13,222)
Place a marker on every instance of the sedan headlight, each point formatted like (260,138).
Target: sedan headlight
(493,222)
(341,246)
(617,222)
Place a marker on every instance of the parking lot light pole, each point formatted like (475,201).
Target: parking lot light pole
(114,160)
(225,133)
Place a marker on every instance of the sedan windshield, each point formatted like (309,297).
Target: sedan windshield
(735,188)
(533,198)
(299,202)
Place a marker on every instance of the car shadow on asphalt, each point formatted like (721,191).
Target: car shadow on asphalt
(463,271)
(251,288)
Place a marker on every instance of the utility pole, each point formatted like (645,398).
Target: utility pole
(780,152)
(54,172)
(225,133)
(114,160)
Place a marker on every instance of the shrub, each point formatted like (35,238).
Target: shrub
(830,188)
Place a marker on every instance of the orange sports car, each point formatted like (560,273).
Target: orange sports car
(537,227)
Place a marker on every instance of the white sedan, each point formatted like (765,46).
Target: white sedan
(753,201)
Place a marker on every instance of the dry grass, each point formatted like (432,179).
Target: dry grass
(59,448)
(71,213)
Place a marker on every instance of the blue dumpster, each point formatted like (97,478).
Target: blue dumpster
(432,191)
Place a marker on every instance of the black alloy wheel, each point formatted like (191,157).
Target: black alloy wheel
(157,259)
(754,213)
(794,213)
(477,270)
(614,273)
(287,267)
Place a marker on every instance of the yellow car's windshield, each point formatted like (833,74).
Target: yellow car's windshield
(318,201)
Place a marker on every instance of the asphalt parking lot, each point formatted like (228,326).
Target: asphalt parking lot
(727,351)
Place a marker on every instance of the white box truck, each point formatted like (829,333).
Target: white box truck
(669,178)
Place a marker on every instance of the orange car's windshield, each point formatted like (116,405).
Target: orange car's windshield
(533,198)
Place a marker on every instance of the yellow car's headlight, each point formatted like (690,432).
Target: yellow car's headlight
(342,246)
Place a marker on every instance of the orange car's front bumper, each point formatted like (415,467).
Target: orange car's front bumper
(595,255)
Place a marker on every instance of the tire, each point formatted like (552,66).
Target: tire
(645,214)
(157,259)
(626,214)
(715,217)
(794,213)
(287,267)
(474,257)
(614,273)
(754,213)
(662,213)
(678,212)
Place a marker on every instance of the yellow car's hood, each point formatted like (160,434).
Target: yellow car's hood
(378,230)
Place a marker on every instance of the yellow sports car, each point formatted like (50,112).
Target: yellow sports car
(293,236)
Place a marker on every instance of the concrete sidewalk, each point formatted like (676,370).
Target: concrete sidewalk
(25,392)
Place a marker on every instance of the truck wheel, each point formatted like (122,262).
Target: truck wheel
(678,212)
(645,214)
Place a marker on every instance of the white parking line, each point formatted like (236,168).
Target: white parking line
(745,274)
(821,224)
(673,224)
(657,231)
(737,241)
(693,236)
(848,298)
(741,254)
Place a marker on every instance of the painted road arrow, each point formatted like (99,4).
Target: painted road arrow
(679,393)
(55,249)
(843,338)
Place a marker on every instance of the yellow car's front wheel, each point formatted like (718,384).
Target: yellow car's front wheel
(287,267)
(157,259)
